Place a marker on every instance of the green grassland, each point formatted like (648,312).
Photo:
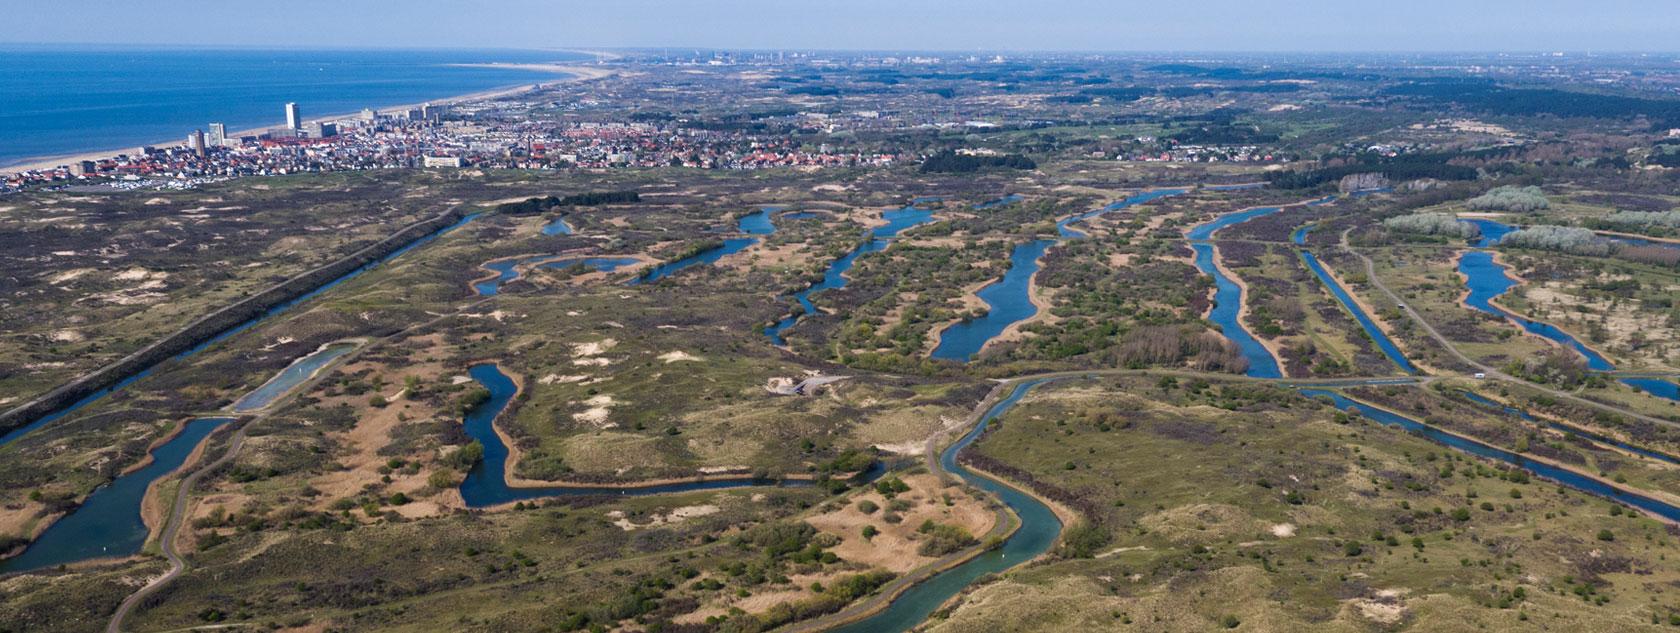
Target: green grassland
(1380,524)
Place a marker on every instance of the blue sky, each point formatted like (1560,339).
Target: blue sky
(1091,25)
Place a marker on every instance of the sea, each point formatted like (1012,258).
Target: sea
(59,100)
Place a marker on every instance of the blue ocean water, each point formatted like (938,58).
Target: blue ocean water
(56,100)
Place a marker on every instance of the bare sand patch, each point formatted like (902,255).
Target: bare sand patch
(677,356)
(66,336)
(69,275)
(895,547)
(676,515)
(593,349)
(557,379)
(1385,607)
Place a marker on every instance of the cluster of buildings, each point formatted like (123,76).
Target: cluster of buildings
(1150,149)
(433,137)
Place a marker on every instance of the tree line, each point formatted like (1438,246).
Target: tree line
(531,206)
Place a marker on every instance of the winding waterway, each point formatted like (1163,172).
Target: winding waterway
(18,432)
(1038,531)
(1382,340)
(1009,299)
(108,523)
(1228,294)
(1601,439)
(1558,474)
(486,484)
(834,277)
(1487,280)
(756,223)
(507,270)
(1064,227)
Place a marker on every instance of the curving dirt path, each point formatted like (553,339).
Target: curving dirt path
(172,528)
(1492,372)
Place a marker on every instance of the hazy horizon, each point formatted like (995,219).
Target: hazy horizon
(1308,26)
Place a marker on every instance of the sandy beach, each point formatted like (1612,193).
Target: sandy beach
(572,73)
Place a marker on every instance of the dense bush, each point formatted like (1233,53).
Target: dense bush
(1666,219)
(951,162)
(1510,198)
(1432,224)
(943,539)
(531,206)
(1563,239)
(1397,169)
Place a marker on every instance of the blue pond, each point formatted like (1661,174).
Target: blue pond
(1561,475)
(1065,228)
(998,202)
(12,435)
(558,226)
(1665,389)
(757,223)
(1492,231)
(507,269)
(108,523)
(1384,343)
(1038,531)
(835,276)
(486,484)
(1487,280)
(1008,300)
(300,370)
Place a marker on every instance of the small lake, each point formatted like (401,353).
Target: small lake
(757,223)
(108,523)
(1554,473)
(558,226)
(508,269)
(1039,530)
(1487,280)
(13,434)
(289,378)
(1009,301)
(878,240)
(1064,227)
(1384,343)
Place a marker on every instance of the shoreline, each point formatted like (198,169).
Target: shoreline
(1272,346)
(1513,317)
(568,74)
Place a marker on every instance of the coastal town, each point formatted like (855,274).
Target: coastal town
(710,341)
(604,121)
